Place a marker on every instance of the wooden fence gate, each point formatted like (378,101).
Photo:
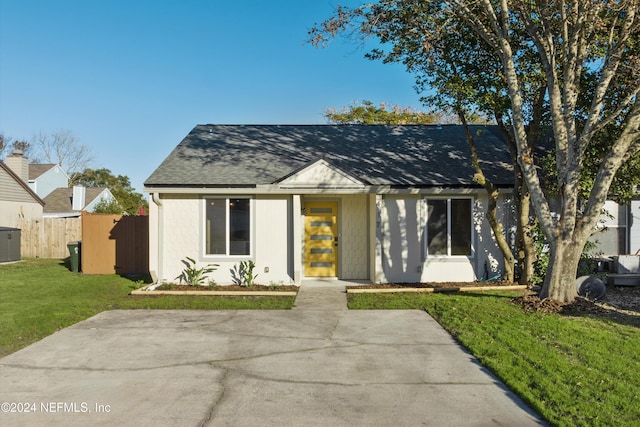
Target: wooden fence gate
(114,244)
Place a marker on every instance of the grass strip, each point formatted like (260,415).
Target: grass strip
(41,296)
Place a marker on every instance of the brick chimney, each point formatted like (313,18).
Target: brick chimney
(18,163)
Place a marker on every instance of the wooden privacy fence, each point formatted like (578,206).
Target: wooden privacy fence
(111,244)
(114,244)
(48,237)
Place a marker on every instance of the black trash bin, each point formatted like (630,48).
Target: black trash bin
(74,256)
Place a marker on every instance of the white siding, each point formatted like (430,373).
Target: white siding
(12,191)
(354,241)
(634,227)
(16,202)
(49,181)
(611,239)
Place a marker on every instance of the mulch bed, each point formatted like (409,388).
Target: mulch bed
(260,288)
(621,304)
(435,285)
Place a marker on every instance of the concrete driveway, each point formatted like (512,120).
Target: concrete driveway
(317,365)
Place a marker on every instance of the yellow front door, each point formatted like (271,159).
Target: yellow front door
(321,239)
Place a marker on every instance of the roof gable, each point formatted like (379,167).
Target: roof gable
(37,169)
(60,200)
(17,184)
(320,174)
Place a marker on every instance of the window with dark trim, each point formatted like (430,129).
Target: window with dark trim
(228,227)
(449,227)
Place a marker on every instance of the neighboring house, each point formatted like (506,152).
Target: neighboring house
(17,200)
(620,229)
(373,202)
(42,178)
(71,202)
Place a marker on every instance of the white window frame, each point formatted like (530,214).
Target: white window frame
(426,227)
(203,223)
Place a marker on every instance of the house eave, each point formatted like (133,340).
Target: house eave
(311,189)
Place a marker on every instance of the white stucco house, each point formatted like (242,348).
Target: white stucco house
(378,203)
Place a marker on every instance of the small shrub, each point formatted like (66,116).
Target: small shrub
(275,285)
(192,275)
(242,274)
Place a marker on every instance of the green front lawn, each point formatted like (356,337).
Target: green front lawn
(41,296)
(574,371)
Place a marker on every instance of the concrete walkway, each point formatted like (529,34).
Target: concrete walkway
(316,365)
(322,295)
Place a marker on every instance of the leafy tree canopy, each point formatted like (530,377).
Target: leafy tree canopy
(120,186)
(366,113)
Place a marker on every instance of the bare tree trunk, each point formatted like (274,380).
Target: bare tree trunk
(559,284)
(492,194)
(524,239)
(525,249)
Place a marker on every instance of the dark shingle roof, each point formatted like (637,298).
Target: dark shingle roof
(403,156)
(37,169)
(61,199)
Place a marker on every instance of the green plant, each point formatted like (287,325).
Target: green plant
(242,274)
(192,275)
(275,285)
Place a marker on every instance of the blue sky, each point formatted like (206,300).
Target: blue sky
(130,78)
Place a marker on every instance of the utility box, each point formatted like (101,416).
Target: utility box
(9,244)
(627,264)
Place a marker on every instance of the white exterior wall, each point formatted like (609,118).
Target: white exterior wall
(273,241)
(155,238)
(487,251)
(180,228)
(400,235)
(180,224)
(381,239)
(402,221)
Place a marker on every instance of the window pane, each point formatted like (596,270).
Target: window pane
(437,227)
(239,227)
(216,227)
(460,227)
